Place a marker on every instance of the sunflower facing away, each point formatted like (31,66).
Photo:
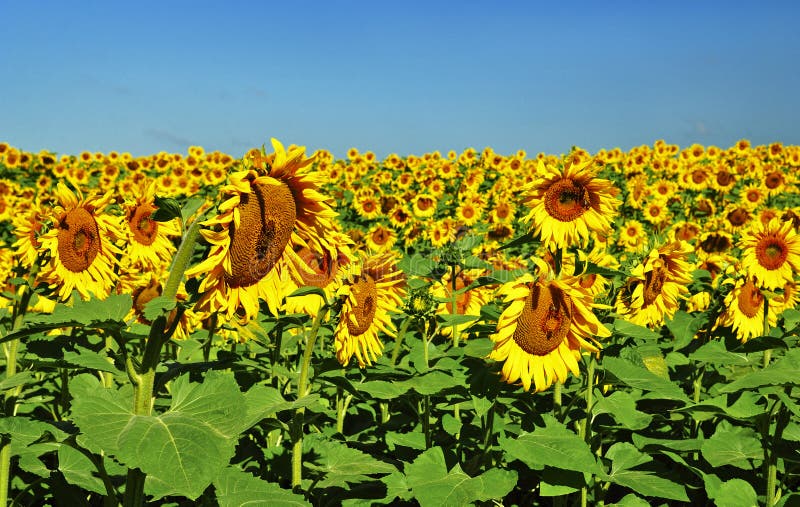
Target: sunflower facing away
(771,253)
(568,205)
(541,333)
(81,245)
(270,212)
(374,288)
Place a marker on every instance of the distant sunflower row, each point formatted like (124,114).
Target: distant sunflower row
(660,218)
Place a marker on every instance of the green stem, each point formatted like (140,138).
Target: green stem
(767,352)
(297,423)
(454,303)
(586,428)
(557,400)
(10,395)
(144,379)
(341,411)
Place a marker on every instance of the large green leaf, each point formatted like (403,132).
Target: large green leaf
(181,450)
(732,445)
(734,493)
(782,371)
(552,445)
(342,465)
(79,470)
(235,488)
(626,328)
(715,352)
(432,484)
(684,327)
(622,407)
(642,378)
(624,457)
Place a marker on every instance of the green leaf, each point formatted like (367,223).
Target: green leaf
(552,445)
(684,327)
(191,206)
(382,390)
(715,352)
(624,456)
(90,359)
(782,371)
(113,309)
(432,382)
(732,445)
(450,319)
(432,485)
(16,380)
(79,470)
(168,208)
(648,484)
(630,500)
(560,482)
(525,239)
(24,431)
(305,291)
(159,305)
(626,328)
(235,487)
(641,378)
(621,405)
(735,493)
(341,465)
(181,450)
(653,444)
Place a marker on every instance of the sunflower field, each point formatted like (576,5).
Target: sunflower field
(288,328)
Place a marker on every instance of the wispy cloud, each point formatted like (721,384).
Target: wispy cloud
(168,137)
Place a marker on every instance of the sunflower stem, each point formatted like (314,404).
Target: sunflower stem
(557,400)
(181,260)
(297,422)
(586,428)
(767,352)
(454,304)
(10,395)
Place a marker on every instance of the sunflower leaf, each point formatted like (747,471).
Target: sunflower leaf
(621,405)
(733,445)
(525,239)
(168,208)
(236,487)
(782,371)
(342,465)
(79,470)
(553,445)
(305,291)
(632,330)
(641,378)
(734,493)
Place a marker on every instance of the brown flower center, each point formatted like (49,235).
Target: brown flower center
(544,321)
(724,178)
(653,284)
(753,195)
(322,264)
(78,240)
(462,300)
(566,200)
(773,180)
(143,295)
(699,176)
(715,243)
(144,228)
(750,299)
(267,215)
(424,203)
(686,232)
(366,298)
(380,236)
(738,217)
(771,251)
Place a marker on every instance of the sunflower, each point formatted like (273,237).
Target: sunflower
(380,238)
(568,205)
(441,232)
(632,236)
(545,326)
(744,310)
(656,213)
(424,205)
(468,214)
(28,227)
(685,231)
(656,284)
(752,196)
(374,288)
(734,218)
(270,210)
(81,245)
(771,253)
(367,206)
(148,242)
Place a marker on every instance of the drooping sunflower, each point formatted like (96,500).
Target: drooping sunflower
(771,253)
(568,205)
(270,210)
(744,310)
(82,245)
(656,284)
(148,242)
(543,330)
(374,288)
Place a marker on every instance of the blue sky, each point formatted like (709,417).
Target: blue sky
(405,77)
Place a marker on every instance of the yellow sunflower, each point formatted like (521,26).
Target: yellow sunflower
(380,238)
(543,330)
(269,211)
(374,288)
(632,237)
(744,310)
(771,253)
(656,285)
(568,205)
(148,242)
(28,227)
(424,205)
(81,245)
